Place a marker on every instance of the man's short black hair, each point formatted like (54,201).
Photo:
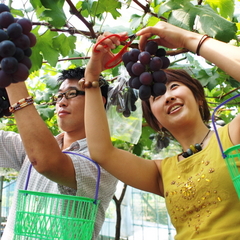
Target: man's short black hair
(78,73)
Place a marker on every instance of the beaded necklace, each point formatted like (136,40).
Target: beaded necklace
(194,148)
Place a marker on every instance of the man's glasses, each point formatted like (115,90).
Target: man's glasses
(71,93)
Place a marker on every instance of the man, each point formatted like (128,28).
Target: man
(54,171)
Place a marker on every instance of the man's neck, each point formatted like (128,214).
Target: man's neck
(71,137)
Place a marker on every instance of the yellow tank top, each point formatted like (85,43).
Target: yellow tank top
(200,196)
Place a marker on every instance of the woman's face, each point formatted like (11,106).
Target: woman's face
(176,107)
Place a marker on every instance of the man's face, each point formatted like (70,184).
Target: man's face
(70,112)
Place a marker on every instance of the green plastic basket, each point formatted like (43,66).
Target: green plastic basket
(231,155)
(233,163)
(42,215)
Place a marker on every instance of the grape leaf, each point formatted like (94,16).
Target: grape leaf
(45,111)
(103,6)
(223,7)
(64,44)
(45,48)
(208,22)
(173,5)
(54,11)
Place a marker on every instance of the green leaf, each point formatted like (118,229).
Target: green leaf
(54,11)
(36,3)
(208,22)
(45,46)
(104,6)
(36,59)
(173,5)
(223,7)
(45,112)
(135,21)
(51,83)
(17,12)
(64,44)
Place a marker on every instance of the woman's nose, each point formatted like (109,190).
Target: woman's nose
(169,98)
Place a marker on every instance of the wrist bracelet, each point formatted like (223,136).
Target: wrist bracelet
(86,84)
(204,37)
(21,104)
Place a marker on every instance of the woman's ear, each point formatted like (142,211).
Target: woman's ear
(104,100)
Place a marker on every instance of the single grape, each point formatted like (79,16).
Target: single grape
(7,48)
(22,42)
(125,58)
(21,74)
(151,47)
(138,68)
(3,35)
(136,83)
(26,25)
(130,82)
(5,104)
(126,112)
(144,57)
(159,76)
(9,65)
(19,54)
(161,52)
(133,107)
(6,112)
(4,8)
(146,78)
(32,39)
(129,68)
(6,19)
(14,30)
(5,79)
(28,52)
(166,62)
(144,92)
(158,89)
(26,61)
(156,64)
(134,95)
(133,54)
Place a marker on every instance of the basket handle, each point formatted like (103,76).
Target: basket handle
(214,125)
(98,176)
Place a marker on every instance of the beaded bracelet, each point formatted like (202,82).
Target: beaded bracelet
(204,37)
(21,104)
(86,84)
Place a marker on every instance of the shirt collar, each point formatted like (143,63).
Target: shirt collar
(80,144)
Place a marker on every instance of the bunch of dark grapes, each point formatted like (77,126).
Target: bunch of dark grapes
(124,100)
(146,70)
(16,41)
(4,103)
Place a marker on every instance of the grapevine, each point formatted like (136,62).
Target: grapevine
(146,70)
(16,41)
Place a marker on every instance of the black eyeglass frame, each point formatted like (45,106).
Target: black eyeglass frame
(57,99)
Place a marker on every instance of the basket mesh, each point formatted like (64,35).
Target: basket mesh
(53,216)
(233,163)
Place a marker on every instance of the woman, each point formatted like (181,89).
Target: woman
(199,193)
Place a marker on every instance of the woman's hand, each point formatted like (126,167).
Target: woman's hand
(170,35)
(101,54)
